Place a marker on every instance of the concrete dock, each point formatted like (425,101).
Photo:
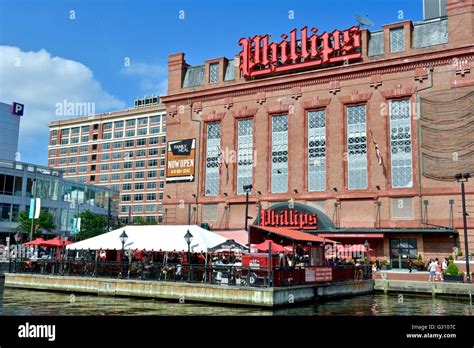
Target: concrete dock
(184,292)
(424,287)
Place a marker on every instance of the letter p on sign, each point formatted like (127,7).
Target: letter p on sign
(17,109)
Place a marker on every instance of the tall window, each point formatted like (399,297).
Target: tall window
(244,154)
(213,149)
(280,154)
(356,148)
(214,73)
(400,143)
(397,40)
(317,150)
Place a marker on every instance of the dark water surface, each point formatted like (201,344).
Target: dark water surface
(26,302)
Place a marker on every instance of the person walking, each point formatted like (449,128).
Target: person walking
(432,270)
(439,270)
(445,264)
(410,264)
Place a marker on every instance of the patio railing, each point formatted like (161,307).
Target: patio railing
(194,273)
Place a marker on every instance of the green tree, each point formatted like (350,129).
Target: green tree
(91,224)
(141,221)
(45,221)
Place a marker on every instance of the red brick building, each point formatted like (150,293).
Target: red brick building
(307,135)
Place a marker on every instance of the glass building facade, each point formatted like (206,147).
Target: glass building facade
(19,182)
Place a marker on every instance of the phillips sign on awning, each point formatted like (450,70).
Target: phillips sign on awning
(180,160)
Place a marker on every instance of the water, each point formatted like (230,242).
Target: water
(26,302)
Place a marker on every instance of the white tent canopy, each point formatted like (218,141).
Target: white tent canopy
(152,237)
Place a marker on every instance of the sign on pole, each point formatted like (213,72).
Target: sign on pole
(35,208)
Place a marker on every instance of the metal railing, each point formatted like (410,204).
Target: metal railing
(194,273)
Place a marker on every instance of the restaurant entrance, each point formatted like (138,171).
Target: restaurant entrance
(401,251)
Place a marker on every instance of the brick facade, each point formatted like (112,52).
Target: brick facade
(374,81)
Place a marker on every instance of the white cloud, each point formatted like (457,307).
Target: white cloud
(41,81)
(152,77)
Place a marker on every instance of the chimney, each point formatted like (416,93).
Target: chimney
(176,70)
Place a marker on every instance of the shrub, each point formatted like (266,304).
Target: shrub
(451,258)
(420,258)
(452,270)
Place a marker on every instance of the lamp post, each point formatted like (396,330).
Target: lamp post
(188,237)
(123,238)
(462,178)
(247,189)
(367,245)
(17,240)
(63,251)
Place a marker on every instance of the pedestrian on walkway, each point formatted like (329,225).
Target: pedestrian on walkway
(439,270)
(445,264)
(432,269)
(410,264)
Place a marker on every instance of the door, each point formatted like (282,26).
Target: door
(401,251)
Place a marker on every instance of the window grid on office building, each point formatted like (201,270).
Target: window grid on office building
(356,148)
(279,154)
(397,40)
(317,150)
(214,73)
(213,148)
(400,143)
(244,154)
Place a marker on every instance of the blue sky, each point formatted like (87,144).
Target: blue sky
(83,58)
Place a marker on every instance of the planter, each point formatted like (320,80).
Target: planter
(420,268)
(453,278)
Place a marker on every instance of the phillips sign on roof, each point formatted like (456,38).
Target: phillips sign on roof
(260,57)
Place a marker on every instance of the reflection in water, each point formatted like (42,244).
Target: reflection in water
(26,302)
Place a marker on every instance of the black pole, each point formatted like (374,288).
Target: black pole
(246,209)
(247,213)
(189,262)
(109,214)
(189,213)
(464,217)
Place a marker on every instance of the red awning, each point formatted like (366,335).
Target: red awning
(265,246)
(293,234)
(352,235)
(37,241)
(55,242)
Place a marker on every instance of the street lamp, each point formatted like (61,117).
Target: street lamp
(188,237)
(367,245)
(123,238)
(462,178)
(17,240)
(247,189)
(63,253)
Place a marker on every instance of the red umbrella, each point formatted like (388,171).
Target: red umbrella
(55,242)
(37,241)
(275,247)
